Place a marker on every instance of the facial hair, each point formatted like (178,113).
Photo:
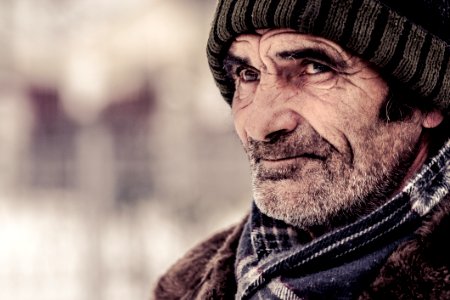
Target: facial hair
(322,186)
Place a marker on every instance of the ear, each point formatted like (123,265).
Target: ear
(432,119)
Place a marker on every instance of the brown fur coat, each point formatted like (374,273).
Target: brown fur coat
(418,269)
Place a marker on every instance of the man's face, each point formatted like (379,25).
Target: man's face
(307,113)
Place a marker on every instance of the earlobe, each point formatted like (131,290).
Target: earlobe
(432,119)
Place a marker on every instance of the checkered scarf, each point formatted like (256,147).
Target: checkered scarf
(275,262)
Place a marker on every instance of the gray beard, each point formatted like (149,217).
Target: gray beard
(326,187)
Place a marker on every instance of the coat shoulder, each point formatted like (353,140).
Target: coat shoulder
(189,274)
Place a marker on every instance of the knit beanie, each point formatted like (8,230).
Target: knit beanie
(409,40)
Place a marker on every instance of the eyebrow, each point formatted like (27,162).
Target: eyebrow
(232,60)
(313,53)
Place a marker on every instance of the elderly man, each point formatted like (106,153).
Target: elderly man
(342,107)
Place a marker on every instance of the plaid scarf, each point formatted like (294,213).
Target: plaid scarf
(275,262)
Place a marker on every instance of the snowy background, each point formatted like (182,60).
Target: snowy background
(117,153)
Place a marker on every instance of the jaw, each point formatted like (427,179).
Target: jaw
(333,191)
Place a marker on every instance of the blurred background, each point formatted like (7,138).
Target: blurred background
(117,153)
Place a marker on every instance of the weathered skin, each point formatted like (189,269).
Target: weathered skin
(307,113)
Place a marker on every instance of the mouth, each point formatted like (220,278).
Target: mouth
(289,158)
(286,167)
(282,162)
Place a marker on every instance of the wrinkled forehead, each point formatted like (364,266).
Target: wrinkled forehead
(270,43)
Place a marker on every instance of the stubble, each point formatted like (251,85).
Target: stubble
(318,185)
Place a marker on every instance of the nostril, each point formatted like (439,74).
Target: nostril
(276,135)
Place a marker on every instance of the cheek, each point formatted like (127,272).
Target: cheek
(245,90)
(239,124)
(337,116)
(346,108)
(243,97)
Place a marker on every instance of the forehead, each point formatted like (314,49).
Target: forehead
(272,42)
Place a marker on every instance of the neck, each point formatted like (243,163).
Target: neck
(421,157)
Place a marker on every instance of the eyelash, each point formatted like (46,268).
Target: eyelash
(239,72)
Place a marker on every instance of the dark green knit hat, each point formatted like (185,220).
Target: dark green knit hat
(409,40)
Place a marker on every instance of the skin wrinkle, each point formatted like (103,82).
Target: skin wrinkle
(348,144)
(343,137)
(318,151)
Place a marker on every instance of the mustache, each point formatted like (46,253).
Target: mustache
(303,141)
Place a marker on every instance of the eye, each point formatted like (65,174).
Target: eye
(313,68)
(247,74)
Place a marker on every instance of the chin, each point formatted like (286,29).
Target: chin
(295,206)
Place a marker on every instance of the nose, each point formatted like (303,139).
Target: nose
(270,117)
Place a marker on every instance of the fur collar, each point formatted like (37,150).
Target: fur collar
(206,272)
